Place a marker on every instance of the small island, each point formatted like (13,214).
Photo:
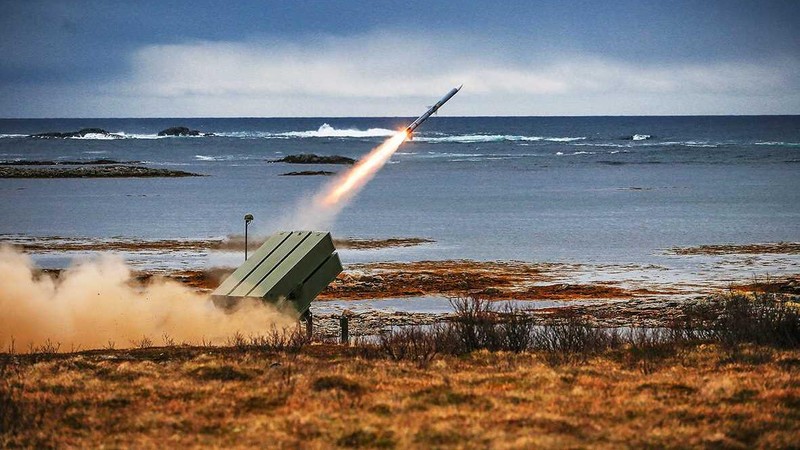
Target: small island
(86,171)
(310,158)
(29,162)
(83,132)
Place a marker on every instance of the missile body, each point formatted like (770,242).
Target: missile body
(433,109)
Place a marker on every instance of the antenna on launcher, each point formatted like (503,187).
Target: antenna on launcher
(247,219)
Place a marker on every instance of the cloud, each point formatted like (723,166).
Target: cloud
(379,65)
(395,73)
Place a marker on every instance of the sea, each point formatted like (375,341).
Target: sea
(569,189)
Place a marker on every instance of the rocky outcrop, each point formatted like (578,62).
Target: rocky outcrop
(182,131)
(101,171)
(308,173)
(173,131)
(92,162)
(73,134)
(310,158)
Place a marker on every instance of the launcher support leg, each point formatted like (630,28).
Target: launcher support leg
(345,338)
(309,320)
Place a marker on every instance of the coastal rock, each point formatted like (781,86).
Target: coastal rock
(101,171)
(182,131)
(308,173)
(73,134)
(23,162)
(310,158)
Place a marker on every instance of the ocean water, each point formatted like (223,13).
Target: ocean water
(582,189)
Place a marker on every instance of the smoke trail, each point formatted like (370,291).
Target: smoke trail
(336,194)
(93,303)
(354,179)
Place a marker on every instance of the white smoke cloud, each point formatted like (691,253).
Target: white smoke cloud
(94,303)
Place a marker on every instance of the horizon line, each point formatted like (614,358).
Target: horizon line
(399,117)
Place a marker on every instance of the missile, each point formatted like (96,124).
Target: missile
(432,110)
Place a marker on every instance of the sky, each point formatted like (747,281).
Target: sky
(301,58)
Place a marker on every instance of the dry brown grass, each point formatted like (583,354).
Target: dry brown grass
(327,396)
(725,377)
(785,285)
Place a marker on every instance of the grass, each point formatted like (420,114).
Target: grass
(327,394)
(729,320)
(488,379)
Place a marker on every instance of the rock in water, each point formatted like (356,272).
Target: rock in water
(182,131)
(85,131)
(72,134)
(310,158)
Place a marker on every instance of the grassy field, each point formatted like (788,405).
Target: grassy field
(327,395)
(486,380)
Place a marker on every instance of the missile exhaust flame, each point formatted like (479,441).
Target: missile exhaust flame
(354,179)
(335,195)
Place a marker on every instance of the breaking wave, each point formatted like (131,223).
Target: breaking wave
(779,144)
(324,131)
(450,155)
(120,135)
(97,137)
(210,158)
(140,136)
(640,144)
(478,138)
(327,131)
(575,153)
(227,157)
(601,144)
(433,156)
(689,144)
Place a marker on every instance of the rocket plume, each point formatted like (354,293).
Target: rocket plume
(335,195)
(354,179)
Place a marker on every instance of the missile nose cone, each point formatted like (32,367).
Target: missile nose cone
(460,86)
(432,110)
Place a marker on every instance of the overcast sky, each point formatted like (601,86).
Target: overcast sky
(391,58)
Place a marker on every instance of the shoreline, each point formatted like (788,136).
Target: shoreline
(381,295)
(40,244)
